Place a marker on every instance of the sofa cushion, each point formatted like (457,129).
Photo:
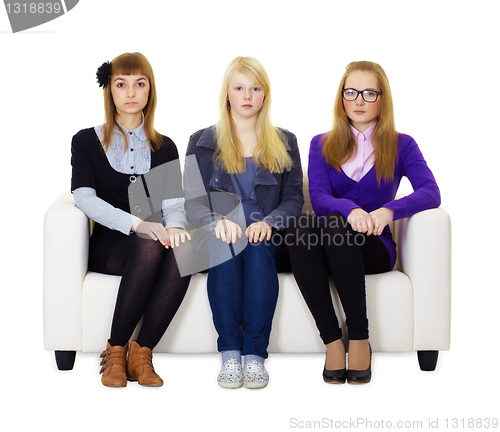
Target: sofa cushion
(389,304)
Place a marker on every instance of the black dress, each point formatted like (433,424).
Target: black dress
(91,168)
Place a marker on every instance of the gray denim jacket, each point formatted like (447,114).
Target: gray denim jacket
(212,196)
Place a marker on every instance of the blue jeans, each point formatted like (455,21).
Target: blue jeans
(244,291)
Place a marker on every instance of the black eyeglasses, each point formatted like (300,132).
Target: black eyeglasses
(350,94)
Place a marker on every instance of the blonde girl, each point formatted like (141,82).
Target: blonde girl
(244,162)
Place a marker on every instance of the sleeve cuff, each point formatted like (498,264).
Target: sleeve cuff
(174,213)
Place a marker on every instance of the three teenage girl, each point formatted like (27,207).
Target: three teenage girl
(250,177)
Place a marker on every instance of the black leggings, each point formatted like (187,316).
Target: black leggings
(328,245)
(151,286)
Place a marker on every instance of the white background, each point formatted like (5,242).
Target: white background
(441,58)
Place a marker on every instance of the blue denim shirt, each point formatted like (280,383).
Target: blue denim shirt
(280,195)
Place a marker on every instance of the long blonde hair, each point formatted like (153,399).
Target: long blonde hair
(131,64)
(340,144)
(270,151)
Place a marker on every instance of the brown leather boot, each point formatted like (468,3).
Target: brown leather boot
(114,360)
(140,366)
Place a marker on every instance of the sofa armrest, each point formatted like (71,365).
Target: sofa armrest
(424,249)
(65,258)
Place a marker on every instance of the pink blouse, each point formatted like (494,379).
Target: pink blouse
(364,158)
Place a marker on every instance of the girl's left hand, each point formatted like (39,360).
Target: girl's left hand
(258,231)
(380,218)
(176,236)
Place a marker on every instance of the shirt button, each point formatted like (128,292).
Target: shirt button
(131,167)
(131,149)
(130,133)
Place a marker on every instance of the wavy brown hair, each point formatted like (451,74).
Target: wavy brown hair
(340,143)
(270,152)
(131,64)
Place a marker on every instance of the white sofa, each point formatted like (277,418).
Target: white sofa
(408,308)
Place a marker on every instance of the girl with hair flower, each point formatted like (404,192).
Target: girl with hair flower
(108,162)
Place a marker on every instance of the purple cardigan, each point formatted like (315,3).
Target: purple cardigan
(333,191)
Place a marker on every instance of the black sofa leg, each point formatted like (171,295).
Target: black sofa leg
(427,360)
(65,360)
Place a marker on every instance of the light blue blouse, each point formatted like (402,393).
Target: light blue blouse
(244,187)
(135,160)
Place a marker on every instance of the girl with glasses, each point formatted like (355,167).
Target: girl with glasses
(354,172)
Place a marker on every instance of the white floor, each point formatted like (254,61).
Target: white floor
(399,396)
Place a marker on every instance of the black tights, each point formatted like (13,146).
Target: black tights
(329,246)
(151,286)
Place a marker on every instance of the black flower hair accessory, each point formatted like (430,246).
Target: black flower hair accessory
(103,74)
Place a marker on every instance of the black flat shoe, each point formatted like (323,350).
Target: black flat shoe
(360,376)
(337,376)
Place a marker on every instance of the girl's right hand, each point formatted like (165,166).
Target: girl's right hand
(154,230)
(227,231)
(360,221)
